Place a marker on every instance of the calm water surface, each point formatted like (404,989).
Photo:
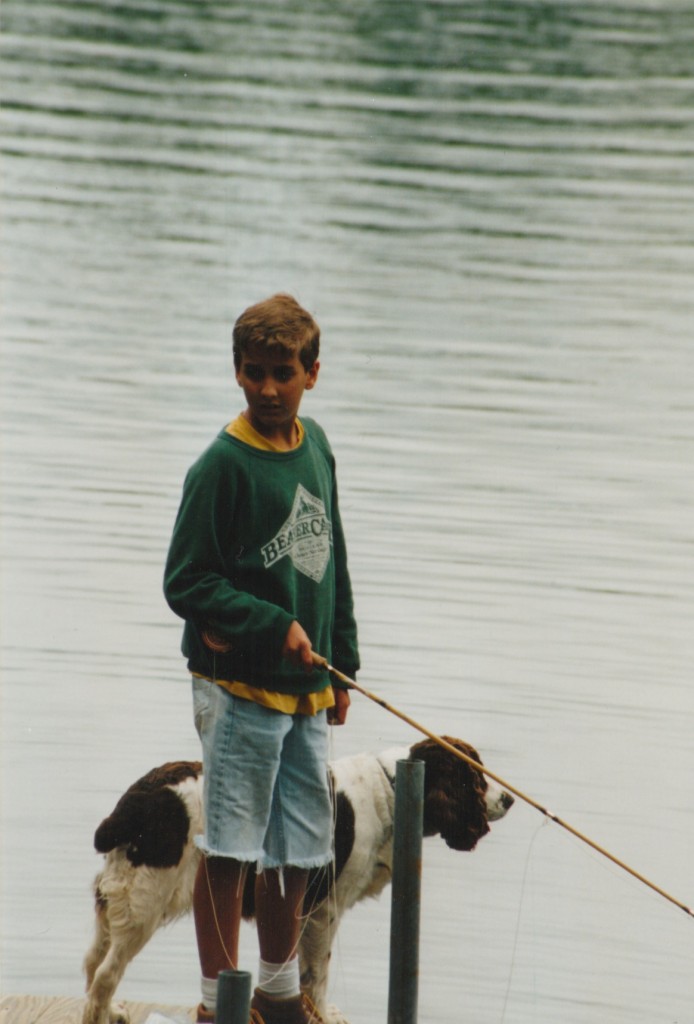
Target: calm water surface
(490,209)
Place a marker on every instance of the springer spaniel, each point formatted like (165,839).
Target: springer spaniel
(151,859)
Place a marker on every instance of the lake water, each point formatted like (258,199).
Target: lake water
(489,207)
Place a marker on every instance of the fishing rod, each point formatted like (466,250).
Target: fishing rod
(350,684)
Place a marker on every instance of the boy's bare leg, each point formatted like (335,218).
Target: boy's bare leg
(217,903)
(279,917)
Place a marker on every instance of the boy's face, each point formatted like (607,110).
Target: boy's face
(274,384)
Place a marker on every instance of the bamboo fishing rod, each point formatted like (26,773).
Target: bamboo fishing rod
(352,685)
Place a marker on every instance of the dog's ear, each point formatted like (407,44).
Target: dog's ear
(454,804)
(151,827)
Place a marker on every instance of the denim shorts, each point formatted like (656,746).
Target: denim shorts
(266,793)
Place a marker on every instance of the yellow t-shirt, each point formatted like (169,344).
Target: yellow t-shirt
(242,430)
(288,703)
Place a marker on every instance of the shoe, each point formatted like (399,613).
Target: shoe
(297,1010)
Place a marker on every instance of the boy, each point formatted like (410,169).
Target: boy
(257,568)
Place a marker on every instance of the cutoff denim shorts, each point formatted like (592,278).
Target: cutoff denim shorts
(266,792)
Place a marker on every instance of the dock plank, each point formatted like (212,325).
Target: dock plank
(67,1010)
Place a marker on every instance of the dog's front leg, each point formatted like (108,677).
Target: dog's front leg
(314,958)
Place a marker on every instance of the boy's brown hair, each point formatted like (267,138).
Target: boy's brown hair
(278,323)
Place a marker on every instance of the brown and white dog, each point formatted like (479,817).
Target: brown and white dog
(151,859)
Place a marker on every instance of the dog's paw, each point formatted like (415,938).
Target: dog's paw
(118,1014)
(334,1015)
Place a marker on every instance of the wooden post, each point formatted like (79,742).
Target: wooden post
(233,997)
(405,904)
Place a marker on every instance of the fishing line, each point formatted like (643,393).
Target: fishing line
(516,937)
(352,685)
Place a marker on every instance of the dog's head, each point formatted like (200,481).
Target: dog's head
(459,802)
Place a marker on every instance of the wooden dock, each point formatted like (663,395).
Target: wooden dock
(65,1010)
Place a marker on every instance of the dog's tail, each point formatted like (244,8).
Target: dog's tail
(151,828)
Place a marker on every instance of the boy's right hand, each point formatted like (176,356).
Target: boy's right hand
(297,647)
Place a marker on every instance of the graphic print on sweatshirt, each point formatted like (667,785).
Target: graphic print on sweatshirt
(305,537)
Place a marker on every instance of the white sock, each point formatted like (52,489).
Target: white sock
(279,980)
(208,987)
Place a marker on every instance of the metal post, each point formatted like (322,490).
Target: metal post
(233,997)
(407,877)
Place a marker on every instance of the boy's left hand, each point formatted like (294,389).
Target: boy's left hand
(297,647)
(337,715)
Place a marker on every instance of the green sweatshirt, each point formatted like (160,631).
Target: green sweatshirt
(258,543)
